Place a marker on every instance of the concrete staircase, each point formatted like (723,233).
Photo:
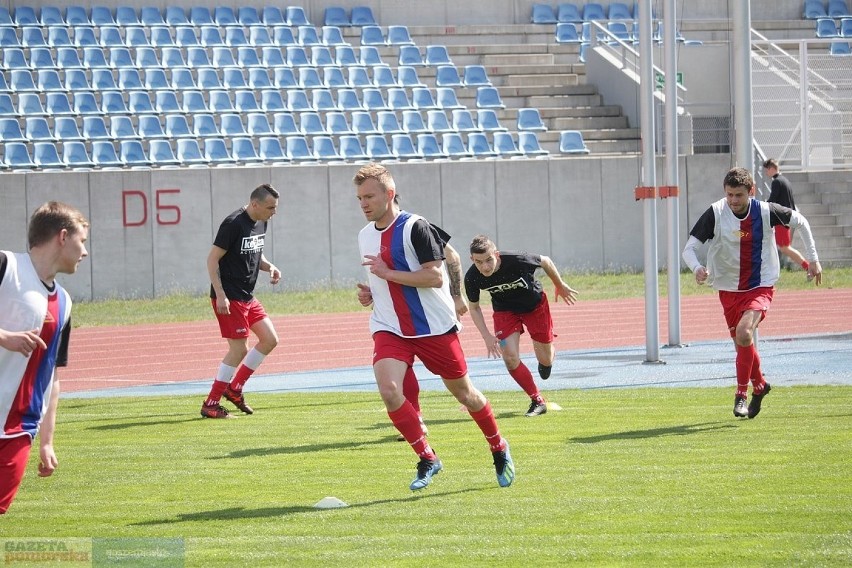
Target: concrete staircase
(825,198)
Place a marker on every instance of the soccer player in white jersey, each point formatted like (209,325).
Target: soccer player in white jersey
(743,266)
(35,325)
(414,315)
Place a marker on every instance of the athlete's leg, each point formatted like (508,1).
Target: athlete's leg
(520,372)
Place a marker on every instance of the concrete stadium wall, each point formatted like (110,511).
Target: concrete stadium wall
(451,12)
(151,230)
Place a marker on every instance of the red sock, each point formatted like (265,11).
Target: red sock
(757,381)
(216,393)
(525,380)
(243,374)
(411,389)
(406,420)
(745,363)
(484,418)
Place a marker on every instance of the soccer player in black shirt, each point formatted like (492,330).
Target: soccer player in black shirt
(519,301)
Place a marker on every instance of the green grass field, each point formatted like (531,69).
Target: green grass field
(638,477)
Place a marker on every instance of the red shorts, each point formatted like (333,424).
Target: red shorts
(782,236)
(735,304)
(538,322)
(14,454)
(237,324)
(442,354)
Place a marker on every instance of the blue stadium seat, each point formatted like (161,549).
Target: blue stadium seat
(185,36)
(445,97)
(58,36)
(387,122)
(126,16)
(398,99)
(25,16)
(332,78)
(200,16)
(42,58)
(846,27)
(307,36)
(814,9)
(3,85)
(344,56)
(370,56)
(297,149)
(295,16)
(233,78)
(402,147)
(358,77)
(270,149)
(94,128)
(323,148)
(36,128)
(479,146)
(21,80)
(151,16)
(160,152)
(235,37)
(488,97)
(373,99)
(297,100)
(410,55)
(399,35)
(421,98)
(332,36)
(841,48)
(530,119)
(258,78)
(437,55)
(436,121)
(412,122)
(29,104)
(383,76)
(272,16)
(620,11)
(826,28)
(166,102)
(838,9)
(17,156)
(249,17)
(103,154)
(161,36)
(139,102)
(46,156)
(568,13)
(9,38)
(147,58)
(220,101)
(13,58)
(593,11)
(428,147)
(453,146)
(222,57)
(134,36)
(65,128)
(32,36)
(297,56)
(283,78)
(209,36)
(362,122)
(322,100)
(487,120)
(351,148)
(247,57)
(189,153)
(347,99)
(258,125)
(310,123)
(529,146)
(476,76)
(76,16)
(505,145)
(377,147)
(10,130)
(284,124)
(85,103)
(224,16)
(231,124)
(272,58)
(75,155)
(196,57)
(5,17)
(447,76)
(51,16)
(204,126)
(542,14)
(243,150)
(571,142)
(150,126)
(336,16)
(463,121)
(272,101)
(102,16)
(155,80)
(121,128)
(566,32)
(282,36)
(193,102)
(337,123)
(259,36)
(128,79)
(6,106)
(84,36)
(94,58)
(321,56)
(216,151)
(176,16)
(182,79)
(177,126)
(362,16)
(132,153)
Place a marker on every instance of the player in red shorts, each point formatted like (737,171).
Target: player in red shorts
(781,193)
(743,266)
(519,301)
(35,326)
(234,262)
(414,316)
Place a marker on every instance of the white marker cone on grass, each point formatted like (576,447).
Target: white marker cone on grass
(330,503)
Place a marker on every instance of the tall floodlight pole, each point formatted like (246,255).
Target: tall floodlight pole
(672,192)
(743,126)
(648,182)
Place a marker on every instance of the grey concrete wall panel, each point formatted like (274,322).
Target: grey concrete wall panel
(181,243)
(576,214)
(345,221)
(523,205)
(420,189)
(300,230)
(71,188)
(14,212)
(469,203)
(122,255)
(623,226)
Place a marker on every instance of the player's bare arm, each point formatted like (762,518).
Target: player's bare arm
(23,342)
(47,457)
(274,273)
(428,276)
(365,295)
(492,344)
(560,288)
(223,305)
(454,270)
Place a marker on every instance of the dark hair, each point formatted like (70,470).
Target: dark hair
(739,177)
(261,192)
(48,221)
(481,244)
(771,163)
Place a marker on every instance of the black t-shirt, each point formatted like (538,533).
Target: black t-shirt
(513,286)
(243,240)
(781,192)
(705,227)
(65,338)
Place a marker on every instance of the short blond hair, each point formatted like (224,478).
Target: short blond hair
(377,172)
(48,221)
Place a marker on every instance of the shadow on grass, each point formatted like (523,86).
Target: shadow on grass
(235,513)
(306,449)
(683,430)
(142,423)
(463,419)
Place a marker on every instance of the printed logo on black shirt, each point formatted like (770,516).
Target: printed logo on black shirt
(252,244)
(516,285)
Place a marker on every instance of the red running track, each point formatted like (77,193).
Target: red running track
(106,357)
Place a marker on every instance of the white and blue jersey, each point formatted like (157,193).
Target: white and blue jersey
(407,311)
